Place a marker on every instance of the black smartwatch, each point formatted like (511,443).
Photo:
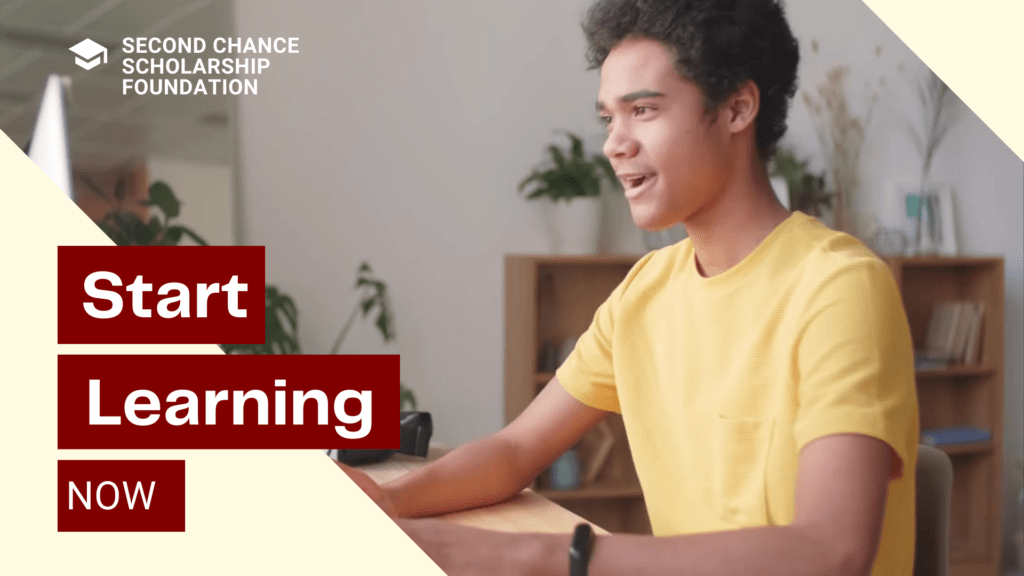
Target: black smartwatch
(580,549)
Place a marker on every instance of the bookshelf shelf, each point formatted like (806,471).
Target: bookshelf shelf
(594,492)
(962,449)
(963,395)
(956,372)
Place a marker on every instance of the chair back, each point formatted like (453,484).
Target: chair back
(934,494)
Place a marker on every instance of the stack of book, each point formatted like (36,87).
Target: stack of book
(954,335)
(954,435)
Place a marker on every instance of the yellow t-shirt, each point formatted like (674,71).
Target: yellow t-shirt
(721,381)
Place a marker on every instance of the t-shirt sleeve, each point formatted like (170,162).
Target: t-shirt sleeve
(588,373)
(855,363)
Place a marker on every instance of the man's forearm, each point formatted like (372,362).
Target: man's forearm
(478,474)
(761,551)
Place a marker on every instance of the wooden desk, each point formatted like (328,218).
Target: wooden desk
(525,512)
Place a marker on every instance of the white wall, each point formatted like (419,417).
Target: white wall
(399,133)
(205,190)
(398,136)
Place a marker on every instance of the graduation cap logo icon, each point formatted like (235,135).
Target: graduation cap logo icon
(89,54)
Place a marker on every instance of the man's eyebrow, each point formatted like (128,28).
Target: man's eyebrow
(631,97)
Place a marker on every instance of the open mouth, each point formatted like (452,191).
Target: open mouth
(636,183)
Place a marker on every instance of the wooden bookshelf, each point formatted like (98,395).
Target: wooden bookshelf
(554,298)
(963,396)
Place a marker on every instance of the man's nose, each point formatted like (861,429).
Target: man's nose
(620,144)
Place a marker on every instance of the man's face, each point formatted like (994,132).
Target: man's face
(669,157)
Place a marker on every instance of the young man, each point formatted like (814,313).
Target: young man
(763,366)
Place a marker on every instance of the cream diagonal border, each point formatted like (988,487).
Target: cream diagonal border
(247,511)
(976,47)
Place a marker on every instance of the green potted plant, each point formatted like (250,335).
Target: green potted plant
(282,323)
(572,185)
(125,227)
(806,189)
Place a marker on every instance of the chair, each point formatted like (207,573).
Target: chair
(934,494)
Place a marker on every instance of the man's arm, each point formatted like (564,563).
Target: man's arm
(841,492)
(498,467)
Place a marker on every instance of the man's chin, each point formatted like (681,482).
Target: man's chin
(650,220)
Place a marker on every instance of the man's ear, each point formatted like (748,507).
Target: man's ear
(742,107)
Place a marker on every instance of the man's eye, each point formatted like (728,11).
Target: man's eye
(605,120)
(640,109)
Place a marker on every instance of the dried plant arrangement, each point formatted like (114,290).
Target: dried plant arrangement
(841,135)
(939,110)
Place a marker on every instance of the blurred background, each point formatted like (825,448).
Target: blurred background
(400,132)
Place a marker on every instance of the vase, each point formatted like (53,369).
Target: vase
(574,226)
(927,241)
(565,471)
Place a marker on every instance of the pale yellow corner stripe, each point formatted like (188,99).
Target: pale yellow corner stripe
(976,47)
(248,512)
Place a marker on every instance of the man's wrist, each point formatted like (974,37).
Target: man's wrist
(540,554)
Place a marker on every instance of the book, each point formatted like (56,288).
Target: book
(948,342)
(972,333)
(923,362)
(938,326)
(931,339)
(973,356)
(954,435)
(963,331)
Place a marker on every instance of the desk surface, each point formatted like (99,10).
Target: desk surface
(525,512)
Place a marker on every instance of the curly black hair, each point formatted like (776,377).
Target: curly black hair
(717,44)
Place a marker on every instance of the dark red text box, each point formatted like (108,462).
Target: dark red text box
(120,495)
(157,266)
(170,377)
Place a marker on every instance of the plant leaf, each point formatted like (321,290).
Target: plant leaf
(557,156)
(367,305)
(534,176)
(384,324)
(171,236)
(406,397)
(160,195)
(291,313)
(120,190)
(577,146)
(131,226)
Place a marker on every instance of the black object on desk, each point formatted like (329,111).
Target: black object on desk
(414,433)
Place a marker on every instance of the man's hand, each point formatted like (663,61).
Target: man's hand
(464,551)
(371,488)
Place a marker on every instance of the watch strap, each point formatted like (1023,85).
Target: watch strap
(580,549)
